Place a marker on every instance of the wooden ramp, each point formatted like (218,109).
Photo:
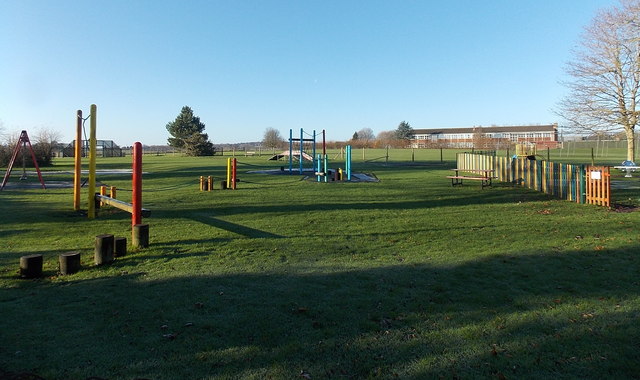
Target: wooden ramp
(296,156)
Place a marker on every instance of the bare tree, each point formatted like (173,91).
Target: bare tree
(388,139)
(272,138)
(44,142)
(604,90)
(366,137)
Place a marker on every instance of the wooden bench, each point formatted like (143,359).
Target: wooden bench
(483,175)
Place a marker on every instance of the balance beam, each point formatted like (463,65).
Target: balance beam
(128,207)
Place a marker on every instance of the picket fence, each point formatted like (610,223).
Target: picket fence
(576,183)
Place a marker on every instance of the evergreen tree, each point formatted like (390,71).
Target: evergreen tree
(404,131)
(188,134)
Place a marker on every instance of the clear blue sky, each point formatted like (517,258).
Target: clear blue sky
(244,66)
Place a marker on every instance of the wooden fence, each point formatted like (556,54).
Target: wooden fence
(576,183)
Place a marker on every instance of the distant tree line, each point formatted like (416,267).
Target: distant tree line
(42,141)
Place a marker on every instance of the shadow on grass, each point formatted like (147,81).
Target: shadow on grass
(233,227)
(529,316)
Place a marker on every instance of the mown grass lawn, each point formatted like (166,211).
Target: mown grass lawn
(289,278)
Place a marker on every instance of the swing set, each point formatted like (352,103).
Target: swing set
(21,146)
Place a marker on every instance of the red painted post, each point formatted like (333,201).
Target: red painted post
(234,178)
(136,184)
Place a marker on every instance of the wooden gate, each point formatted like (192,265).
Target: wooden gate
(598,185)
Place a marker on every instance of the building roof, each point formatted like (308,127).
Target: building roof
(514,128)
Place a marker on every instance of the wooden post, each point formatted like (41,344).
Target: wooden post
(120,247)
(140,236)
(441,155)
(91,209)
(201,183)
(69,262)
(103,191)
(103,253)
(31,266)
(77,181)
(209,183)
(136,185)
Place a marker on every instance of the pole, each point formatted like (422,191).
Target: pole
(234,174)
(136,185)
(91,209)
(326,172)
(78,163)
(229,173)
(313,154)
(300,151)
(290,151)
(348,163)
(324,142)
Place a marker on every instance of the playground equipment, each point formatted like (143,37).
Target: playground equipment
(232,178)
(23,142)
(139,231)
(526,149)
(300,152)
(322,163)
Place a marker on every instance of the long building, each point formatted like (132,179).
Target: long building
(487,137)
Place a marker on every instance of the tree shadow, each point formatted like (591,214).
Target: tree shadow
(535,315)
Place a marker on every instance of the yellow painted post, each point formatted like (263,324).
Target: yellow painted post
(91,209)
(229,172)
(78,163)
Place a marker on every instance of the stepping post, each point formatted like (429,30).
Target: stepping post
(69,262)
(140,236)
(120,247)
(104,249)
(31,266)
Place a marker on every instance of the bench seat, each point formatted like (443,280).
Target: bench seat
(457,180)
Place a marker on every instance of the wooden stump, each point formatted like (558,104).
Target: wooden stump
(69,262)
(104,249)
(140,236)
(31,266)
(223,184)
(121,247)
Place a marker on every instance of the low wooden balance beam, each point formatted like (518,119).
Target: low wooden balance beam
(124,206)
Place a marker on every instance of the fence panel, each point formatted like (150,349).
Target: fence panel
(598,185)
(560,180)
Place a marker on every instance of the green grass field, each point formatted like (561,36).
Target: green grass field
(289,278)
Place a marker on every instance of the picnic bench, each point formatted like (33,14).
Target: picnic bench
(628,168)
(461,175)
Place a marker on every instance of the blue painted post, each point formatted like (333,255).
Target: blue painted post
(300,146)
(290,151)
(313,147)
(318,169)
